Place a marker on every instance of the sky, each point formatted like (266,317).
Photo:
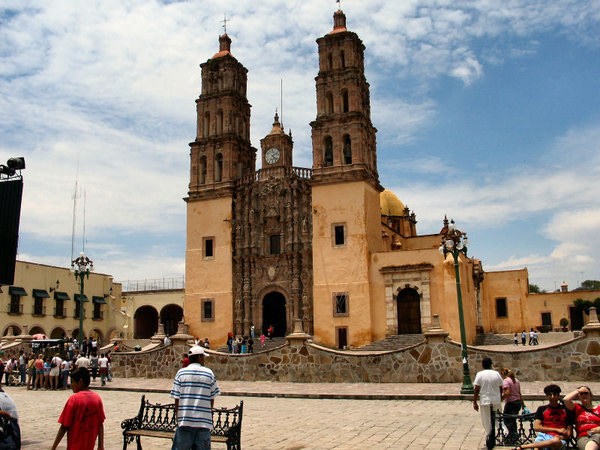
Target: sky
(487,112)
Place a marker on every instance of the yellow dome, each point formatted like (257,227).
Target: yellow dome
(390,204)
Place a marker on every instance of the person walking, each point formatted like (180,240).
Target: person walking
(523,337)
(103,369)
(82,418)
(488,390)
(194,390)
(513,401)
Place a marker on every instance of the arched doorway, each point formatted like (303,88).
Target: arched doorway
(36,330)
(274,313)
(58,333)
(408,303)
(16,330)
(170,316)
(145,322)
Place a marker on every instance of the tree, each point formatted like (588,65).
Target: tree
(535,289)
(590,285)
(584,305)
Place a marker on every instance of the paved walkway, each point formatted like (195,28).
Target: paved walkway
(295,416)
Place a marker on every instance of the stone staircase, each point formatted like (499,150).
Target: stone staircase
(395,342)
(493,339)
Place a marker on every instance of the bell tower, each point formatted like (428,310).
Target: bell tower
(221,152)
(343,137)
(220,156)
(346,218)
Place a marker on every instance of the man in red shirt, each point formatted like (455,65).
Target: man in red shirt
(552,422)
(82,418)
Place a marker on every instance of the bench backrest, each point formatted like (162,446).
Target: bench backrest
(156,417)
(159,417)
(227,420)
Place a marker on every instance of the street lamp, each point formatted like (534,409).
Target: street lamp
(81,268)
(455,242)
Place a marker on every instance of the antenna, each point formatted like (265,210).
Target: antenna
(74,211)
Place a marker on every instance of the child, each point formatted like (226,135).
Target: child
(82,418)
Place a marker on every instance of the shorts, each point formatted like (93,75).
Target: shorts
(546,437)
(54,371)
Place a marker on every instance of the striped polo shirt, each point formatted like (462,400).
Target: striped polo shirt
(195,386)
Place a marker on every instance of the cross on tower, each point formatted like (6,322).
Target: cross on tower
(225,22)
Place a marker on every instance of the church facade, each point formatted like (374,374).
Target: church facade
(324,250)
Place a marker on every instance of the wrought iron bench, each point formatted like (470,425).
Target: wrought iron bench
(158,421)
(499,435)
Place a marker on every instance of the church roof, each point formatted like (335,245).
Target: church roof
(390,204)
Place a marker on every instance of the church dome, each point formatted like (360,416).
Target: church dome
(390,204)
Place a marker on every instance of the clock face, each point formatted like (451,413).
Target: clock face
(272,155)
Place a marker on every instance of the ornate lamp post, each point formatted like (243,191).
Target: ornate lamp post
(455,242)
(81,268)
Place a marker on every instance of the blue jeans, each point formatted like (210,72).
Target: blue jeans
(191,438)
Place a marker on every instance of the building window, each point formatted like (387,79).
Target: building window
(547,319)
(208,310)
(60,308)
(98,302)
(208,247)
(340,304)
(339,235)
(38,306)
(202,170)
(342,59)
(15,306)
(501,309)
(218,167)
(345,102)
(328,156)
(329,103)
(274,244)
(347,150)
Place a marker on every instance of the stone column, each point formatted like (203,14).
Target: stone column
(436,334)
(593,326)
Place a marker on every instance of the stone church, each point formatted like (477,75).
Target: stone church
(324,250)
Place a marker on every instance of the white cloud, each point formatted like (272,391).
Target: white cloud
(111,85)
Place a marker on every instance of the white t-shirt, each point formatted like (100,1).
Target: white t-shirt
(490,383)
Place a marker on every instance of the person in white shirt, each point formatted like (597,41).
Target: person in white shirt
(65,368)
(103,367)
(488,389)
(82,361)
(55,363)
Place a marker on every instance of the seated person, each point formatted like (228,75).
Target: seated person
(552,422)
(587,418)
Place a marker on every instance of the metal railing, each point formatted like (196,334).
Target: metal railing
(157,284)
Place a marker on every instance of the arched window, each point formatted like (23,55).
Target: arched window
(345,103)
(329,61)
(328,156)
(218,167)
(206,125)
(202,169)
(347,150)
(329,103)
(342,59)
(219,122)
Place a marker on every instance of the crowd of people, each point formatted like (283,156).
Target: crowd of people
(553,422)
(82,418)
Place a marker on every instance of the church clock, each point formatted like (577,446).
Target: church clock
(272,155)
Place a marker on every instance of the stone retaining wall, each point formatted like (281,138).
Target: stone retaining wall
(429,362)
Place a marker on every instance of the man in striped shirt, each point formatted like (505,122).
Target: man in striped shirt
(194,390)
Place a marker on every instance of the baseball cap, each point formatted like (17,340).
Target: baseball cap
(197,350)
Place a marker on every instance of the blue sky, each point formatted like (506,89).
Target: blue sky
(487,112)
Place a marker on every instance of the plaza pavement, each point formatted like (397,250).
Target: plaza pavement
(295,416)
